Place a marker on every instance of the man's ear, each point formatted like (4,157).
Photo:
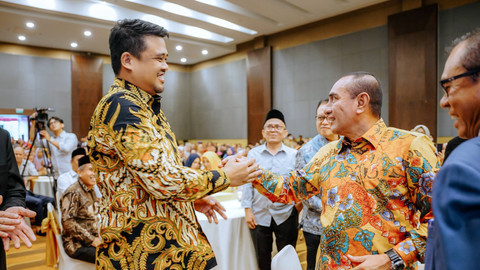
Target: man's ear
(127,60)
(363,102)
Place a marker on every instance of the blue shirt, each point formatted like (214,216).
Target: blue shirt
(263,209)
(312,208)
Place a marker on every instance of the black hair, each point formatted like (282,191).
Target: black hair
(55,118)
(128,36)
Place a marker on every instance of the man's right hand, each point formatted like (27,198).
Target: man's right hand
(241,171)
(250,218)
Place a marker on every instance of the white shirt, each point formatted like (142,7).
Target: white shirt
(61,156)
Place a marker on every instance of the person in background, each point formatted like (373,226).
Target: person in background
(60,145)
(79,207)
(312,208)
(210,160)
(193,161)
(454,235)
(12,202)
(35,202)
(263,217)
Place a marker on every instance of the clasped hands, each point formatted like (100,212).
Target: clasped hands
(14,228)
(239,170)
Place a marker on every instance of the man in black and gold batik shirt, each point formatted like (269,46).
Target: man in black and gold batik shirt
(147,209)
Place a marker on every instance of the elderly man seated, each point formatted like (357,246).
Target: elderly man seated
(79,215)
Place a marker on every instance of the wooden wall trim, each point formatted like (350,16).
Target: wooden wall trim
(412,68)
(259,91)
(87,73)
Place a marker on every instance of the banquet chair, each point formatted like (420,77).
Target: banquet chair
(286,259)
(65,262)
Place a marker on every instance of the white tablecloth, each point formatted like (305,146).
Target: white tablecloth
(230,239)
(42,185)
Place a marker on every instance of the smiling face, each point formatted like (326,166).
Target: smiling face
(147,72)
(86,175)
(274,131)
(463,101)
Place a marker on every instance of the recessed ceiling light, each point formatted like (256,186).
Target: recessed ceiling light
(87,33)
(22,38)
(204,52)
(179,47)
(73,44)
(183,60)
(30,24)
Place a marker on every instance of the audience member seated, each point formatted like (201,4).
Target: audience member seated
(193,161)
(230,152)
(35,202)
(79,215)
(38,161)
(210,160)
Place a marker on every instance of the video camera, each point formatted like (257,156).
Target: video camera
(41,119)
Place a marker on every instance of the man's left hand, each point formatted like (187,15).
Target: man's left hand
(208,205)
(22,231)
(371,262)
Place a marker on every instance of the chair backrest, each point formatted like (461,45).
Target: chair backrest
(59,211)
(286,259)
(65,262)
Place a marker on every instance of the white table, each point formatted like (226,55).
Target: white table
(42,185)
(230,239)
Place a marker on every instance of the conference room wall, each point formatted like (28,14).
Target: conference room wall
(32,81)
(219,102)
(305,74)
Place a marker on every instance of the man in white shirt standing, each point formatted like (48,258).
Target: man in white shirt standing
(262,216)
(61,144)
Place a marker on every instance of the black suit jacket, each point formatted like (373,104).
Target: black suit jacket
(12,187)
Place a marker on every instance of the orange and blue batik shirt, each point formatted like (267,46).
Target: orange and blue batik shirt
(376,193)
(147,215)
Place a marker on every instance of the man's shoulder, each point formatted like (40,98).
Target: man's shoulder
(73,188)
(466,153)
(289,150)
(327,150)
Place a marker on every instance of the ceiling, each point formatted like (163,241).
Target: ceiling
(213,25)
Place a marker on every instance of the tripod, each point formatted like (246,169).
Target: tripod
(47,162)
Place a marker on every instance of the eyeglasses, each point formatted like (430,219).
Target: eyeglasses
(276,127)
(321,118)
(465,74)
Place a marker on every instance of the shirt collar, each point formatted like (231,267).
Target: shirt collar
(373,136)
(143,95)
(263,148)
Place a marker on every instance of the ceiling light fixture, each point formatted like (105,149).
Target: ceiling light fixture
(73,44)
(204,52)
(30,24)
(87,33)
(21,37)
(179,47)
(183,60)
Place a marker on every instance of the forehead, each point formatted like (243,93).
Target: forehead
(321,109)
(340,87)
(18,150)
(155,45)
(274,121)
(453,66)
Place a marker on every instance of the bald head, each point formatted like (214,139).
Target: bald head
(19,153)
(358,82)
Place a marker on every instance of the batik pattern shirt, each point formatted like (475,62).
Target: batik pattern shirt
(147,215)
(79,217)
(376,194)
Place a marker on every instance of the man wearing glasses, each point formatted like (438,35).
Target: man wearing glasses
(262,216)
(454,235)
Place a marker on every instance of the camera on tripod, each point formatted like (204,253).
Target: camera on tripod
(41,119)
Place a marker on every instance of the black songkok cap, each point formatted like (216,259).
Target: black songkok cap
(79,151)
(83,160)
(275,114)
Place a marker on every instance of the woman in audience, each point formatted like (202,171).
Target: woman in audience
(193,161)
(230,152)
(210,160)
